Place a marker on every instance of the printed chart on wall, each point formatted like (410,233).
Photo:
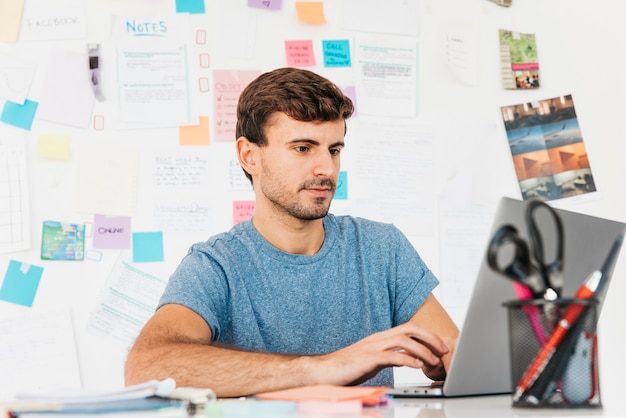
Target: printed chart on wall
(547,148)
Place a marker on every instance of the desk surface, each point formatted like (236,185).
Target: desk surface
(477,406)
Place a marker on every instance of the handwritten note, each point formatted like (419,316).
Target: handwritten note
(243,210)
(336,53)
(181,203)
(300,53)
(59,19)
(228,85)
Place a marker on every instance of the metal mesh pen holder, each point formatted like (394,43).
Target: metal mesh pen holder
(554,356)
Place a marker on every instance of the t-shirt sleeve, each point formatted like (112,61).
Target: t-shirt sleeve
(414,280)
(198,284)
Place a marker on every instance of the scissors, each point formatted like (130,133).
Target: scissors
(543,279)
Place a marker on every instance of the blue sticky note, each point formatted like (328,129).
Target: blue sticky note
(147,246)
(342,186)
(336,53)
(190,6)
(20,283)
(20,115)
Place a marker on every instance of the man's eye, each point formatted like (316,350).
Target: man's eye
(335,151)
(302,148)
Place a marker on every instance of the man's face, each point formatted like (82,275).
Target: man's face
(300,166)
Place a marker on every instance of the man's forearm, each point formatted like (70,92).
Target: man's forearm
(229,372)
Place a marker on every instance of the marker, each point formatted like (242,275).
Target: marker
(570,316)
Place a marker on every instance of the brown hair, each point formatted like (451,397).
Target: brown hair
(301,94)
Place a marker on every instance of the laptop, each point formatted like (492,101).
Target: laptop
(481,365)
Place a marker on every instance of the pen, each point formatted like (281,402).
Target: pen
(572,313)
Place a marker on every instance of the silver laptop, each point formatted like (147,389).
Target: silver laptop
(480,365)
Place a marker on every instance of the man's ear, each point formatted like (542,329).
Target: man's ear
(247,154)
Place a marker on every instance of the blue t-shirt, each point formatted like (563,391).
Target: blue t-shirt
(367,277)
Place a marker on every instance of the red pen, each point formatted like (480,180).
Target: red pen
(572,312)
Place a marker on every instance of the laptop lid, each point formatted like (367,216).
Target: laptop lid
(481,365)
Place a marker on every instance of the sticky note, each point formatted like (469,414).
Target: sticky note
(341,193)
(243,210)
(111,232)
(350,91)
(10,19)
(53,147)
(190,6)
(300,53)
(20,283)
(147,247)
(195,135)
(311,12)
(266,4)
(336,53)
(20,115)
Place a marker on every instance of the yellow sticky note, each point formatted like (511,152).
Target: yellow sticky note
(195,135)
(311,12)
(54,147)
(10,19)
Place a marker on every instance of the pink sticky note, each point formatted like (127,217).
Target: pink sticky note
(300,53)
(243,210)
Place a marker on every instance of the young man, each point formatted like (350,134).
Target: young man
(295,296)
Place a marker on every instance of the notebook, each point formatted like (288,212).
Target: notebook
(480,365)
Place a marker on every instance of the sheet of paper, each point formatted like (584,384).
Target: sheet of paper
(404,183)
(10,19)
(180,202)
(153,70)
(67,96)
(62,241)
(228,85)
(106,179)
(16,76)
(36,349)
(45,20)
(127,301)
(14,194)
(396,17)
(458,50)
(386,76)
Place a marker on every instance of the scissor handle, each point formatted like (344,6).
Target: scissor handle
(520,268)
(552,272)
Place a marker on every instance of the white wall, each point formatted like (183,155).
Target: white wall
(580,52)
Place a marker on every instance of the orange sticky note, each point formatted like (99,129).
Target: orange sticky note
(195,135)
(311,12)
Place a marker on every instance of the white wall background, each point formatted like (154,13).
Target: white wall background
(580,45)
